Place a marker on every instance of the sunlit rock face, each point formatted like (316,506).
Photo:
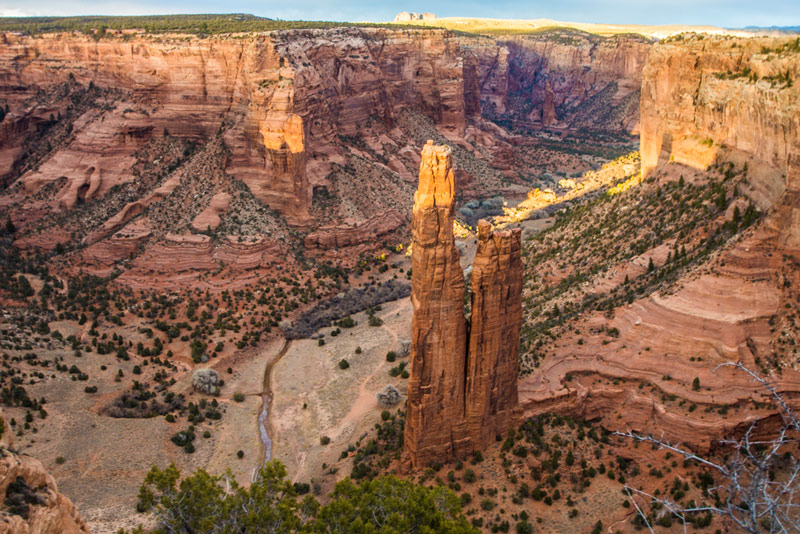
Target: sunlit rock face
(462,388)
(708,101)
(435,423)
(493,359)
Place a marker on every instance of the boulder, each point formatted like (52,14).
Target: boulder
(206,381)
(389,396)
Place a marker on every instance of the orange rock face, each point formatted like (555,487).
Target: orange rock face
(462,388)
(435,425)
(493,360)
(52,514)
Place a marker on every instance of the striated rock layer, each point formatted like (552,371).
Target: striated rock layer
(435,426)
(729,104)
(462,389)
(493,360)
(718,100)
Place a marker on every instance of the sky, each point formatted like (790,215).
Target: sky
(725,13)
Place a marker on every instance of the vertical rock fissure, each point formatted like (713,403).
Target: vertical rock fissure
(474,361)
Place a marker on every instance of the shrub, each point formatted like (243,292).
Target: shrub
(324,440)
(238,396)
(391,356)
(344,364)
(240,454)
(385,415)
(60,460)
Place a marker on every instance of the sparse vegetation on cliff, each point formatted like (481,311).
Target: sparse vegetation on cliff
(107,26)
(618,231)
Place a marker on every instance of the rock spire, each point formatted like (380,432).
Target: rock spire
(463,385)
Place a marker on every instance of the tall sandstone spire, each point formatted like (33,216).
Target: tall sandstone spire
(493,359)
(463,385)
(435,424)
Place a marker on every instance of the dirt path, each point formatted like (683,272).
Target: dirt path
(366,400)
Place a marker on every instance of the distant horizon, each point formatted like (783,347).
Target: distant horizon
(733,14)
(794,27)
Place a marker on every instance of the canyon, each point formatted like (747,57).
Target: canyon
(175,202)
(297,118)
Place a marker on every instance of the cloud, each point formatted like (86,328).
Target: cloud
(15,12)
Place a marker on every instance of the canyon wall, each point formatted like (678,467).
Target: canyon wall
(709,100)
(562,80)
(713,110)
(272,96)
(123,143)
(463,386)
(189,88)
(150,134)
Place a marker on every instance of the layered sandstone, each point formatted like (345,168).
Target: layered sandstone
(710,109)
(462,389)
(435,423)
(716,99)
(565,82)
(493,360)
(282,110)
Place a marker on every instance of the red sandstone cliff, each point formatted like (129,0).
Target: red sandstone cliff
(150,133)
(573,81)
(705,101)
(708,105)
(132,139)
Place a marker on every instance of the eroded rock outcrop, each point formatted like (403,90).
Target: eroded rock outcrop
(462,387)
(493,359)
(30,497)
